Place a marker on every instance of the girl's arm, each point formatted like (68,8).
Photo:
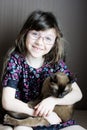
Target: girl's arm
(72,97)
(46,106)
(10,103)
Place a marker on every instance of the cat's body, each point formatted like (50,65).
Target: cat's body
(58,85)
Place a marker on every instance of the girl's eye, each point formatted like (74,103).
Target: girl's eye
(35,34)
(48,38)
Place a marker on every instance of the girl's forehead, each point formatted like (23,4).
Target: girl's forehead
(51,31)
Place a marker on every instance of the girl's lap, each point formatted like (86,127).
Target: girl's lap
(73,127)
(69,125)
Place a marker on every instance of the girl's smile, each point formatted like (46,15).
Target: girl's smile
(36,48)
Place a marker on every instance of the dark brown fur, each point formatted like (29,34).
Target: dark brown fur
(57,85)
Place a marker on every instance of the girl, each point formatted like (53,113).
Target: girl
(38,53)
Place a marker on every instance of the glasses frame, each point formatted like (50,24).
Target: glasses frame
(48,40)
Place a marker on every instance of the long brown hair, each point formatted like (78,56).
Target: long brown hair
(39,20)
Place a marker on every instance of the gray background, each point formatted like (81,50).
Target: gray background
(72,17)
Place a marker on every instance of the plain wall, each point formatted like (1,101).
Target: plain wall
(72,18)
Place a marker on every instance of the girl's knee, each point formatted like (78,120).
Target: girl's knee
(77,127)
(8,128)
(23,128)
(2,127)
(74,127)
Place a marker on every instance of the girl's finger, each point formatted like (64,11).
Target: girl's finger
(47,113)
(36,106)
(37,110)
(41,113)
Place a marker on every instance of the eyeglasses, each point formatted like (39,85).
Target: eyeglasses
(49,40)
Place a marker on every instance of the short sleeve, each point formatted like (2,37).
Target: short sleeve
(62,67)
(12,73)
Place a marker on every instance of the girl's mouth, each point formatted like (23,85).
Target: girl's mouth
(37,48)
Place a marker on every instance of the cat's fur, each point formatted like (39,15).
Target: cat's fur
(57,85)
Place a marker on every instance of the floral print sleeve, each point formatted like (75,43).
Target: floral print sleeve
(11,76)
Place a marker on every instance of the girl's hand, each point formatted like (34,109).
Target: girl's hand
(53,118)
(45,107)
(31,112)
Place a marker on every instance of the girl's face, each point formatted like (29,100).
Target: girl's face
(39,43)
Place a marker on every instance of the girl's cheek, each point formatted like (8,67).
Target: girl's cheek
(48,48)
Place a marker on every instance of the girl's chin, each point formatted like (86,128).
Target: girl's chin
(37,55)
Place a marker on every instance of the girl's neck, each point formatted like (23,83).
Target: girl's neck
(35,62)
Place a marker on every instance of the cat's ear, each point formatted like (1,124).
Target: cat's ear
(53,78)
(72,78)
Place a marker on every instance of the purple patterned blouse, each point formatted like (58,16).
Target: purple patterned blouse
(27,80)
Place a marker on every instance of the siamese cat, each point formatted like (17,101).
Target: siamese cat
(57,85)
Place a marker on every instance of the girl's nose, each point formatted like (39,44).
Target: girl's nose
(39,41)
